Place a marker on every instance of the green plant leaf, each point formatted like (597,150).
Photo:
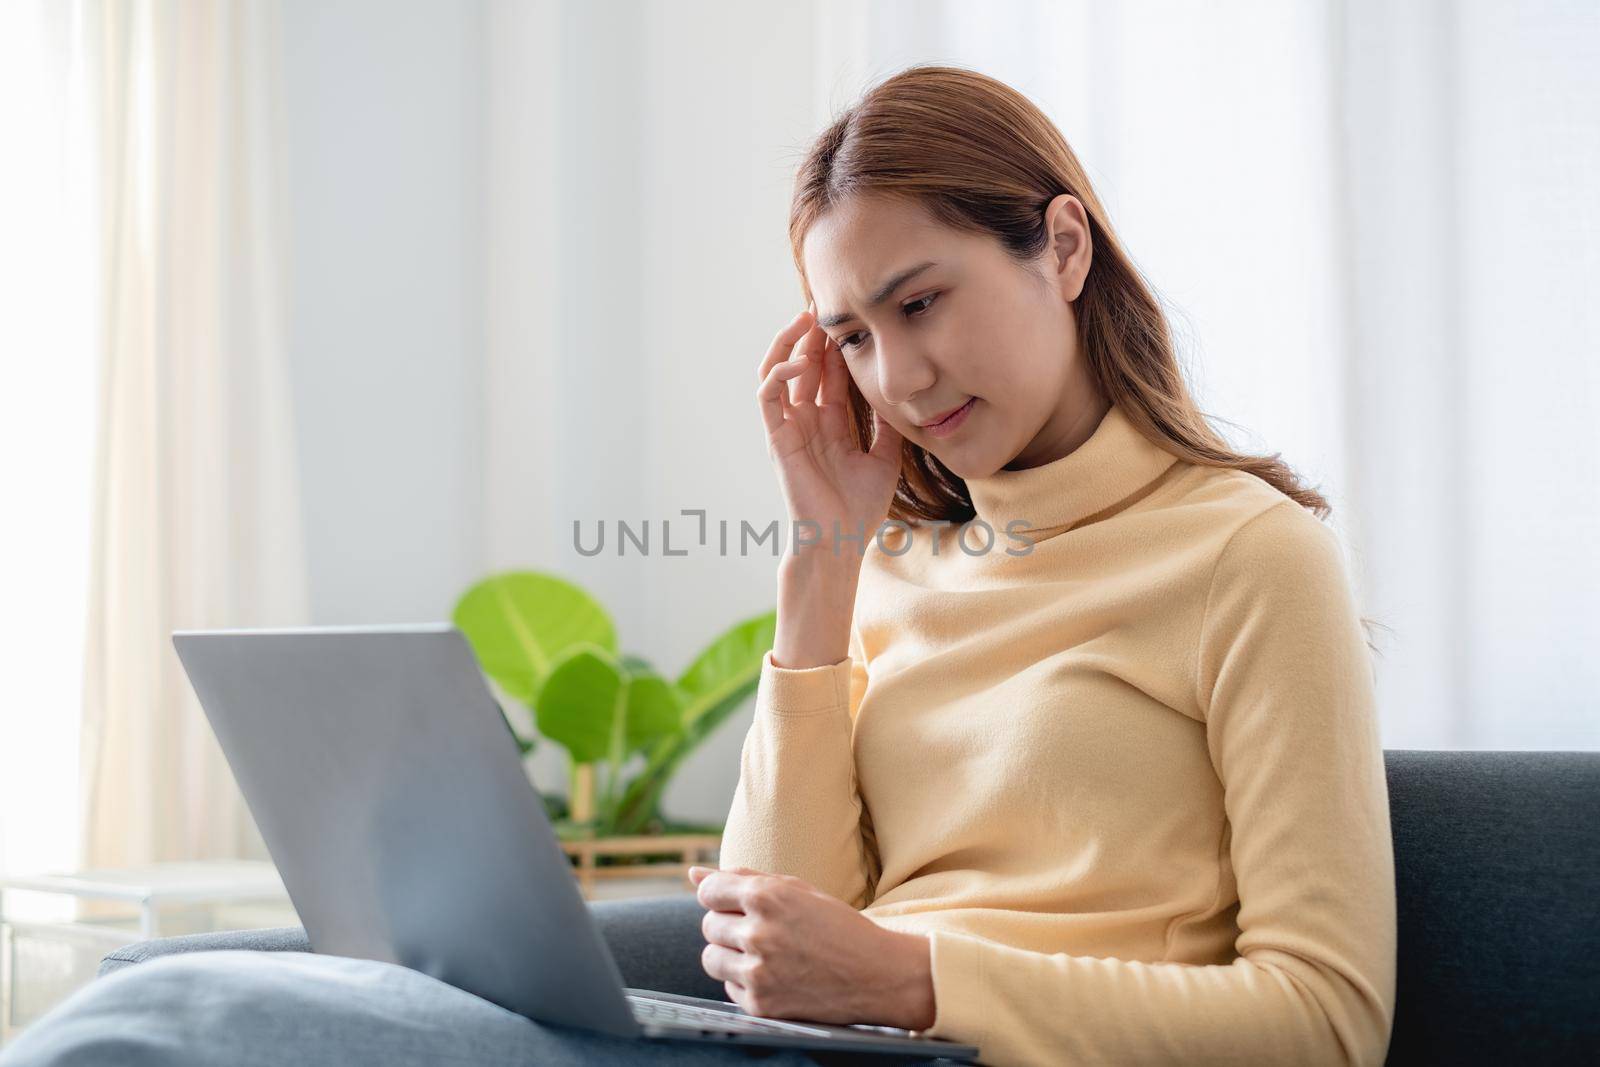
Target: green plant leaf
(654,711)
(520,623)
(716,684)
(729,664)
(579,701)
(589,701)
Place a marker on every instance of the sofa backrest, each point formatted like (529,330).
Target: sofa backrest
(1497,872)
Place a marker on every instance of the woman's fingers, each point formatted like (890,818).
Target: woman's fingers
(804,386)
(721,962)
(735,991)
(835,376)
(834,395)
(794,344)
(773,394)
(886,440)
(783,344)
(809,352)
(728,928)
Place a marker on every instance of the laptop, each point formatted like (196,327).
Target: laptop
(379,770)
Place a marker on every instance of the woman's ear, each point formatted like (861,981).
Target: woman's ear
(1071,250)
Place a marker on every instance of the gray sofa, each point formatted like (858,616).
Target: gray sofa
(1497,860)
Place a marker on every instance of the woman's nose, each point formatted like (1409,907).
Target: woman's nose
(903,372)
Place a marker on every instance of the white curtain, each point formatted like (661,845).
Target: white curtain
(1472,175)
(196,516)
(47,387)
(1373,224)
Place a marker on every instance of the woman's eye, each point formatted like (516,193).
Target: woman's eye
(916,307)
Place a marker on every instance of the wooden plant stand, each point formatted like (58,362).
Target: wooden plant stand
(684,850)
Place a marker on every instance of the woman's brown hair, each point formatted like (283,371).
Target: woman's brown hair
(980,156)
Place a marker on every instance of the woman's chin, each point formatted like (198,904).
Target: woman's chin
(965,459)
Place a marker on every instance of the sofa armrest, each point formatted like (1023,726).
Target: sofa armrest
(656,942)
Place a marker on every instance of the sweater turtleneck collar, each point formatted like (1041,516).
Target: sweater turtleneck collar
(1114,463)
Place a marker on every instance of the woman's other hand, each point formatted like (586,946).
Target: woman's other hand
(786,950)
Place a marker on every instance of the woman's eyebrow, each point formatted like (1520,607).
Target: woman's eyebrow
(879,295)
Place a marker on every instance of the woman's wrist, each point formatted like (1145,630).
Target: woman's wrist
(908,989)
(816,600)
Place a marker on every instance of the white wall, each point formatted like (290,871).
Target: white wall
(527,290)
(638,270)
(384,161)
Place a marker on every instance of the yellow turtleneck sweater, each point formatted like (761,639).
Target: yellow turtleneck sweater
(1129,783)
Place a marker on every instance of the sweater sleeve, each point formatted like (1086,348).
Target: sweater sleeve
(1287,694)
(796,809)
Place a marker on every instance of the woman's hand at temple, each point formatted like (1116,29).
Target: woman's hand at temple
(786,950)
(825,478)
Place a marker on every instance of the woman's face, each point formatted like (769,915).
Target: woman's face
(930,318)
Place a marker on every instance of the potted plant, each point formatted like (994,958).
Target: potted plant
(626,728)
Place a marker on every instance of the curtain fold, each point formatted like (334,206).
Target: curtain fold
(196,520)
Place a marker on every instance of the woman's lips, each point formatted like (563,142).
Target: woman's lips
(952,422)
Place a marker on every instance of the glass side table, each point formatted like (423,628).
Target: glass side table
(42,962)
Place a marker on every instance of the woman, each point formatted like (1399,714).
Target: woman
(1102,784)
(1112,790)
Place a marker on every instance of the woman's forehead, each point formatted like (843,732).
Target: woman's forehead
(851,256)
